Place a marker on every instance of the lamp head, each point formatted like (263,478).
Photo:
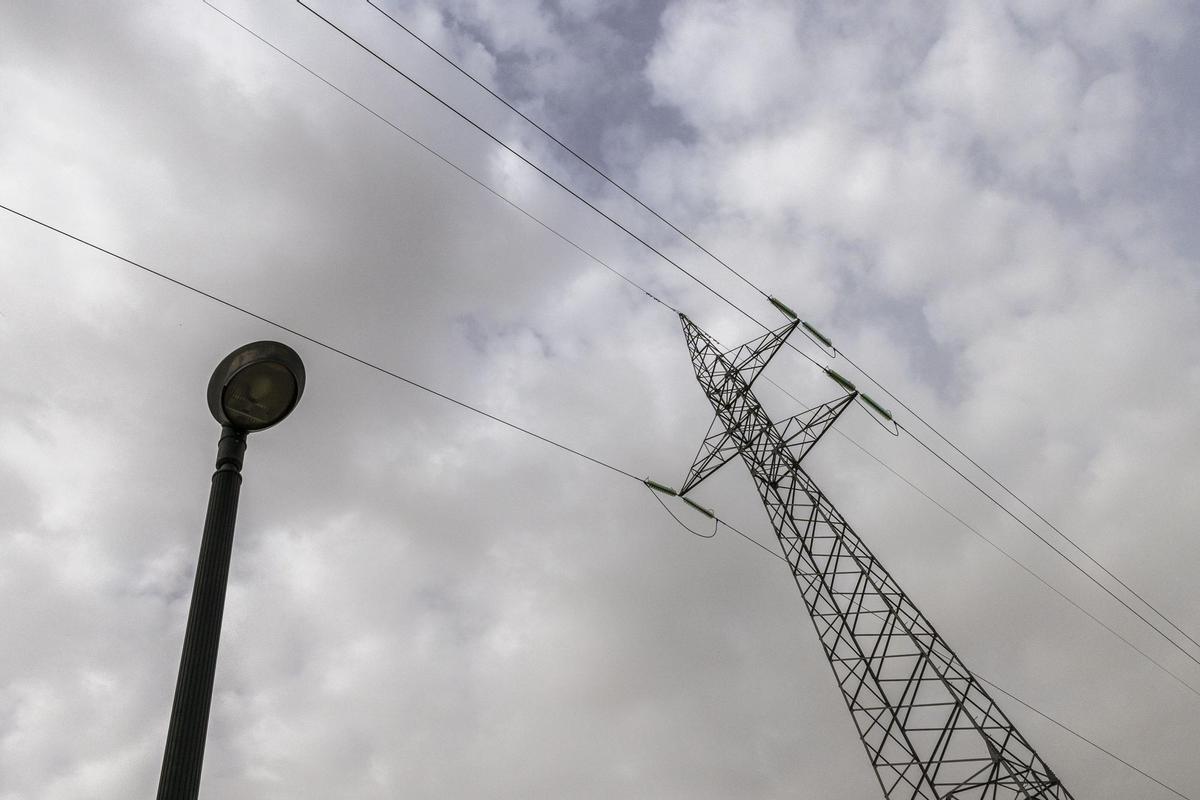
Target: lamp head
(256,386)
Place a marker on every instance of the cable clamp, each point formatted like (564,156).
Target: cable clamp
(657,489)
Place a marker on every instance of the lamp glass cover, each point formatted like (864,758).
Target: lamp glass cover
(259,395)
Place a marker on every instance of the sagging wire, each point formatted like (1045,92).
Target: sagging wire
(652,485)
(445,160)
(809,330)
(1170,639)
(657,490)
(782,307)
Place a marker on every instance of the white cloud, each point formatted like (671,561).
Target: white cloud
(1016,95)
(1106,132)
(728,63)
(424,602)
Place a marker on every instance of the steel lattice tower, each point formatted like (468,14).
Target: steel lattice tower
(930,729)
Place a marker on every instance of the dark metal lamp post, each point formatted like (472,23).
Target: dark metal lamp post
(253,388)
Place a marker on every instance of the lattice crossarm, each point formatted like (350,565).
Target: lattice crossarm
(718,448)
(753,357)
(799,433)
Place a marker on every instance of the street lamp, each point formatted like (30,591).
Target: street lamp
(253,388)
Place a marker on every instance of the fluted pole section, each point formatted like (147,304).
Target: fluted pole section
(184,754)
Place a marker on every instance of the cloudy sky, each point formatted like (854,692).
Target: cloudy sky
(989,205)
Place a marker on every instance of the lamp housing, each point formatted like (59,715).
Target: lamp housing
(256,386)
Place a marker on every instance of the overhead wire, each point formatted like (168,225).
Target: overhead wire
(1017,497)
(319,343)
(1065,557)
(439,394)
(735,272)
(855,365)
(1081,737)
(366,363)
(586,162)
(732,270)
(658,252)
(1009,556)
(440,157)
(468,406)
(541,171)
(681,523)
(882,615)
(655,298)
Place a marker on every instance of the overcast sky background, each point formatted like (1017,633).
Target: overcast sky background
(992,205)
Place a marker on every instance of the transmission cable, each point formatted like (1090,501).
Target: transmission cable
(1014,496)
(1025,567)
(533,218)
(995,546)
(417,385)
(880,615)
(228,304)
(612,182)
(621,188)
(436,154)
(655,298)
(525,159)
(1065,557)
(1081,737)
(371,365)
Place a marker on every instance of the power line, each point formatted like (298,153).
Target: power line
(992,543)
(514,426)
(1016,497)
(573,451)
(441,395)
(436,154)
(524,159)
(652,296)
(605,176)
(1081,737)
(1024,567)
(1064,726)
(565,146)
(319,343)
(513,205)
(1064,556)
(359,360)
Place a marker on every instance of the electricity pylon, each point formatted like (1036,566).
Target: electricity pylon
(930,729)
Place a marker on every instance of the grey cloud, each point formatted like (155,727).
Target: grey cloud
(424,603)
